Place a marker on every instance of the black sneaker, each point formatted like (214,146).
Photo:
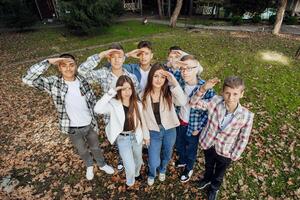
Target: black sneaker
(203,183)
(139,178)
(186,175)
(179,165)
(213,194)
(145,150)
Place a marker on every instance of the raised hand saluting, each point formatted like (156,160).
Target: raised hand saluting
(172,80)
(208,85)
(57,61)
(134,53)
(108,53)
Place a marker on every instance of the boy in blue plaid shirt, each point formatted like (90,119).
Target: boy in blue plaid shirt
(74,100)
(192,121)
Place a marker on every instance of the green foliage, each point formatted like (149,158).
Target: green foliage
(291,20)
(272,19)
(256,19)
(82,16)
(236,20)
(18,13)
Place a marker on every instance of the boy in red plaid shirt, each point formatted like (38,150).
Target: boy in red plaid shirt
(227,131)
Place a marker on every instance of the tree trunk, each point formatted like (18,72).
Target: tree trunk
(191,8)
(297,55)
(169,8)
(279,18)
(175,14)
(159,9)
(296,3)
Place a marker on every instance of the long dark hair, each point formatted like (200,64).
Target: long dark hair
(165,89)
(133,106)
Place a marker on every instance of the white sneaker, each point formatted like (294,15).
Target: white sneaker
(89,173)
(120,167)
(161,177)
(108,169)
(185,177)
(150,181)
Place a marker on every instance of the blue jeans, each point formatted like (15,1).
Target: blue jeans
(160,150)
(186,147)
(131,154)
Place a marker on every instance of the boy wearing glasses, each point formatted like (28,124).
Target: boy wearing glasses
(192,121)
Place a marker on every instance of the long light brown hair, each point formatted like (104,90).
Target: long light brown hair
(133,105)
(165,89)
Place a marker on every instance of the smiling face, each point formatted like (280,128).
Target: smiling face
(116,60)
(158,79)
(232,95)
(145,56)
(68,69)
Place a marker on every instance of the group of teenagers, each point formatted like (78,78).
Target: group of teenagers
(160,106)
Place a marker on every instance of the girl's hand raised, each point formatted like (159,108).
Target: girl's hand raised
(170,78)
(121,87)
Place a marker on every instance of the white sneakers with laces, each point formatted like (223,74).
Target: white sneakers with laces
(89,173)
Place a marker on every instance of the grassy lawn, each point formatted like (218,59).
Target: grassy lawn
(51,41)
(44,160)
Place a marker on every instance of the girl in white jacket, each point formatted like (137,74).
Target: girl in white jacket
(126,126)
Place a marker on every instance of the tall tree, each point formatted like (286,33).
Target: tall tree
(159,3)
(190,7)
(279,17)
(175,14)
(295,5)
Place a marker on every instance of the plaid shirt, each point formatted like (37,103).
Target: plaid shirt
(197,118)
(57,88)
(230,140)
(103,76)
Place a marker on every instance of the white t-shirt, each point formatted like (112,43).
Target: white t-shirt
(184,113)
(76,106)
(144,78)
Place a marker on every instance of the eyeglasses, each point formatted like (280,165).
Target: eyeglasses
(189,69)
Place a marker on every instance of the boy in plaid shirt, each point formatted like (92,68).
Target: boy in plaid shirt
(227,132)
(74,101)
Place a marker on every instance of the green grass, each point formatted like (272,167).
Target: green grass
(272,93)
(51,41)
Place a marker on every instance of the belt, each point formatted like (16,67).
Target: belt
(78,127)
(127,133)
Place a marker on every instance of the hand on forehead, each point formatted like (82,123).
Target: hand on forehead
(59,61)
(69,61)
(176,53)
(188,63)
(114,51)
(140,51)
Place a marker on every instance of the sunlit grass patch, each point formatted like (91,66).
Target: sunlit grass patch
(274,56)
